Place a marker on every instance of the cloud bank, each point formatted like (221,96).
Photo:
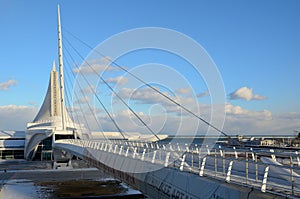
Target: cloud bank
(6,85)
(246,94)
(13,117)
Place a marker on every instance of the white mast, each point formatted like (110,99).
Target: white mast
(61,70)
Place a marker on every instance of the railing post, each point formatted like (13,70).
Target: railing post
(199,160)
(216,162)
(256,169)
(208,151)
(235,153)
(273,154)
(115,150)
(143,155)
(264,182)
(187,148)
(202,167)
(221,152)
(167,159)
(223,162)
(134,152)
(171,148)
(179,149)
(252,154)
(229,171)
(153,158)
(192,160)
(127,150)
(292,174)
(121,149)
(182,163)
(247,168)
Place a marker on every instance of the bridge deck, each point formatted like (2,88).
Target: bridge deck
(247,171)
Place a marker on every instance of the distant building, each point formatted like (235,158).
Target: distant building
(51,123)
(267,142)
(12,144)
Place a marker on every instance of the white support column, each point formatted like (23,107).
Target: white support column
(153,158)
(273,155)
(116,146)
(253,156)
(208,151)
(134,152)
(143,155)
(179,149)
(235,153)
(167,159)
(127,150)
(121,149)
(221,151)
(182,163)
(264,182)
(110,148)
(229,171)
(202,167)
(197,150)
(187,148)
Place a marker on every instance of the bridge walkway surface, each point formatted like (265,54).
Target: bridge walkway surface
(171,171)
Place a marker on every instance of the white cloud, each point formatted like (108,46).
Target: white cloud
(246,94)
(151,97)
(13,117)
(93,68)
(239,111)
(6,85)
(184,91)
(203,94)
(117,80)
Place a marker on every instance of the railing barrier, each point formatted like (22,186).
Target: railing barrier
(218,163)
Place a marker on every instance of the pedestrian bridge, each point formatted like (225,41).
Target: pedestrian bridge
(174,171)
(158,170)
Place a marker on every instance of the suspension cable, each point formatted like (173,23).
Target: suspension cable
(114,122)
(80,107)
(68,90)
(147,84)
(131,110)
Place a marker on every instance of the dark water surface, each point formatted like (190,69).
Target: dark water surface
(22,179)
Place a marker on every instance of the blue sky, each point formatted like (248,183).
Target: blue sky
(255,44)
